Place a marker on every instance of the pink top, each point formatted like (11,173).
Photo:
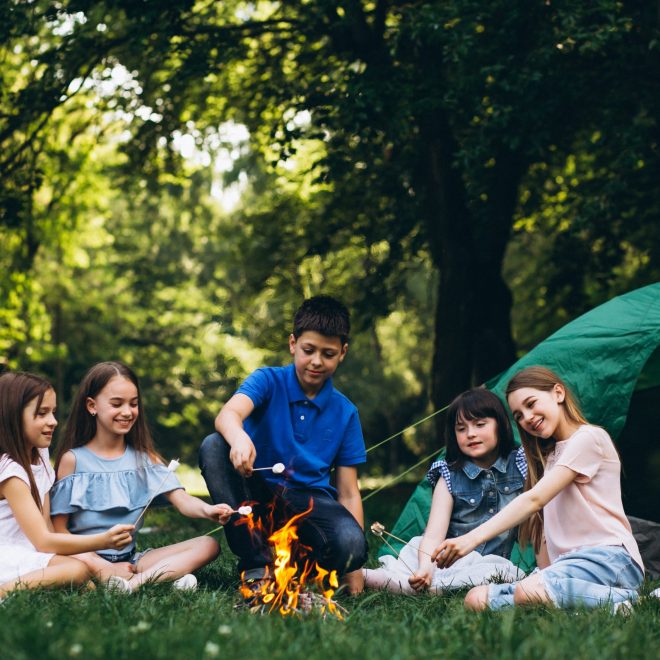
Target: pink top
(588,512)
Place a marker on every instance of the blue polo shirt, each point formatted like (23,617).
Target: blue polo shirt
(308,436)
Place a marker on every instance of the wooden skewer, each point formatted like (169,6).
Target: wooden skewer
(278,468)
(398,555)
(173,465)
(378,529)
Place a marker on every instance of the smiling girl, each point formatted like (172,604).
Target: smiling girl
(482,472)
(30,550)
(571,511)
(108,470)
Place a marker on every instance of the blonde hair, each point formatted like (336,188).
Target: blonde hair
(537,449)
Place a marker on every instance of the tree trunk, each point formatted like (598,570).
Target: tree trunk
(473,340)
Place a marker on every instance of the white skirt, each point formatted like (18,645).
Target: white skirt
(17,560)
(469,571)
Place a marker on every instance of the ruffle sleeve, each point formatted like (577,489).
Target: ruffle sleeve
(102,491)
(439,469)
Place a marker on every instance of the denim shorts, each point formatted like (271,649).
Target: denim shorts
(133,556)
(587,577)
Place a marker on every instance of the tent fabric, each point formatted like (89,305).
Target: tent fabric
(601,356)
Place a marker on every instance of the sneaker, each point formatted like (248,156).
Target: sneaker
(119,584)
(624,608)
(655,593)
(187,582)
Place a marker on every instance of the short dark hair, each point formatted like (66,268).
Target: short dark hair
(477,403)
(325,315)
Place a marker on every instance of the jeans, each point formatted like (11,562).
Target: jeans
(335,539)
(587,577)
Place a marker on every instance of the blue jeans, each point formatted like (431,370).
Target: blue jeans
(587,577)
(335,538)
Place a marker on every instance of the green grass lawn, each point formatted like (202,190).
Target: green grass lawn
(158,622)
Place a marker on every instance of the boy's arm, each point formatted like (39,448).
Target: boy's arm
(348,494)
(229,423)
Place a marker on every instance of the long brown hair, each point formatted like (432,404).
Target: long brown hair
(17,391)
(537,449)
(81,425)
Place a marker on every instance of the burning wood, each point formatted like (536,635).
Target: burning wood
(297,585)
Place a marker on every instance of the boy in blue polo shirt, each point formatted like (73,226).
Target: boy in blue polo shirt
(293,415)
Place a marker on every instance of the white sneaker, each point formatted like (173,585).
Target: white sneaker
(623,608)
(187,582)
(655,592)
(117,583)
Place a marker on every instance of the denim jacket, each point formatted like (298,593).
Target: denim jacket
(480,493)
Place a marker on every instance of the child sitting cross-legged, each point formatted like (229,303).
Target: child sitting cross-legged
(108,470)
(32,554)
(480,474)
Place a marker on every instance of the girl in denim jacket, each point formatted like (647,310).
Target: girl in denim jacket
(481,473)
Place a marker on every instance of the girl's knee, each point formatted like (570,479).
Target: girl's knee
(477,598)
(208,547)
(78,571)
(349,550)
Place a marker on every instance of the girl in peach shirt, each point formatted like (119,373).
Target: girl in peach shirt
(571,509)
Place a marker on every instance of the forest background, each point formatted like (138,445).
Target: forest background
(176,176)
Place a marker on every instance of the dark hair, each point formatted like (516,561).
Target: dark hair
(537,449)
(17,390)
(81,425)
(325,315)
(477,403)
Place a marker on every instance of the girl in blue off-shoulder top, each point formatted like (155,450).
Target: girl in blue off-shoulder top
(108,471)
(481,473)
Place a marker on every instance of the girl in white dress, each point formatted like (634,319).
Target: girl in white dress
(30,551)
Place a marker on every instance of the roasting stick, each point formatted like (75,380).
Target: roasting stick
(278,468)
(241,511)
(381,530)
(378,530)
(172,467)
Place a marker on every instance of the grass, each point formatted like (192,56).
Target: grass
(158,622)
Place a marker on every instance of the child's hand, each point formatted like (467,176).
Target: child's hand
(242,455)
(121,568)
(219,513)
(450,550)
(421,580)
(119,536)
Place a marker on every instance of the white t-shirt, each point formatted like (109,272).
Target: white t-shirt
(17,554)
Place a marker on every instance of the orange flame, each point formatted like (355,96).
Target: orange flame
(291,584)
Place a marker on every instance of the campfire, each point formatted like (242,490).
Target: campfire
(298,585)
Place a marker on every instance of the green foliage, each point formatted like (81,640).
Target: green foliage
(421,161)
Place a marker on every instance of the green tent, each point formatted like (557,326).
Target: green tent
(604,355)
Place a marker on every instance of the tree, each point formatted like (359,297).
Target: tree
(429,129)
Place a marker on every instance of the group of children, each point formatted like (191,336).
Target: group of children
(559,492)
